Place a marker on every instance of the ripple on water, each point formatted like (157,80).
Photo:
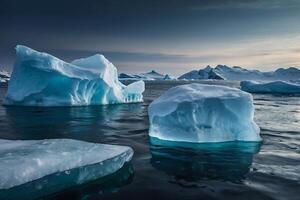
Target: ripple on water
(160,172)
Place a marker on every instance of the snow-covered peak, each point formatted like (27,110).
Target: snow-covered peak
(152,75)
(124,76)
(4,73)
(223,68)
(288,71)
(239,73)
(206,73)
(4,76)
(153,72)
(167,77)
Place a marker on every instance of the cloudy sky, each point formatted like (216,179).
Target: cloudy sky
(169,36)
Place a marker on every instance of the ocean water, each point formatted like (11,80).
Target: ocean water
(267,170)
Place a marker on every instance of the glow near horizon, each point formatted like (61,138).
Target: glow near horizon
(253,34)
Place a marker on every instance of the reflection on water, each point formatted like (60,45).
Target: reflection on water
(167,172)
(88,123)
(55,183)
(229,161)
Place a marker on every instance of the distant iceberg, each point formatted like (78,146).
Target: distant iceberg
(282,87)
(28,160)
(39,79)
(4,77)
(206,73)
(149,76)
(153,75)
(223,72)
(168,77)
(203,113)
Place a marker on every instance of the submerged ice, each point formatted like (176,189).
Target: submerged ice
(283,87)
(203,113)
(25,161)
(40,79)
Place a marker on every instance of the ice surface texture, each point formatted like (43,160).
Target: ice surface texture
(283,87)
(39,79)
(25,161)
(203,113)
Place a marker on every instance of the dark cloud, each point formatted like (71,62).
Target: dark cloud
(140,24)
(249,5)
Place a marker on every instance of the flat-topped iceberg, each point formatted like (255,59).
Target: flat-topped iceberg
(282,87)
(203,113)
(40,79)
(25,161)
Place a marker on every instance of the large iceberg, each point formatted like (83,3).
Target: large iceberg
(25,161)
(282,87)
(203,113)
(40,79)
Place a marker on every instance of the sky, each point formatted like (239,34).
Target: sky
(168,36)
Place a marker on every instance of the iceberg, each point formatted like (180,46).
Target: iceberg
(62,184)
(40,79)
(168,77)
(206,73)
(149,76)
(152,75)
(236,73)
(203,113)
(23,161)
(282,87)
(124,76)
(4,77)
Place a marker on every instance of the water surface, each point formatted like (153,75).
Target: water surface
(270,170)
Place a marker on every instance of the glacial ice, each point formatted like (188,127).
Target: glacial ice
(23,161)
(40,79)
(203,113)
(282,87)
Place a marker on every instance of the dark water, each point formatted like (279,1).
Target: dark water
(270,170)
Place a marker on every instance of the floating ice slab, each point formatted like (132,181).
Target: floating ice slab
(25,161)
(39,79)
(283,87)
(203,113)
